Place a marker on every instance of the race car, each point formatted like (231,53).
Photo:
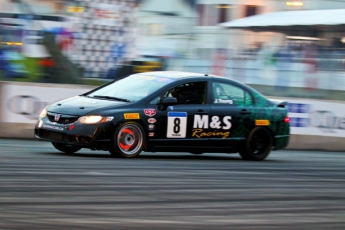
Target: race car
(168,111)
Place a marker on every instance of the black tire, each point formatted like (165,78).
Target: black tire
(66,148)
(128,140)
(258,145)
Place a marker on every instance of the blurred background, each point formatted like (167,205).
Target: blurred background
(282,48)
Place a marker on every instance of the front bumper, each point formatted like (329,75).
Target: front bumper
(94,136)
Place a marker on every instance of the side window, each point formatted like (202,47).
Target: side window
(189,93)
(155,101)
(224,93)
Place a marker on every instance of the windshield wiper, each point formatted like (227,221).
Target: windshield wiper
(112,98)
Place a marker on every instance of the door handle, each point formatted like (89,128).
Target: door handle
(200,111)
(244,112)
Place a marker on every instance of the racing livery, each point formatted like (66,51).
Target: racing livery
(168,111)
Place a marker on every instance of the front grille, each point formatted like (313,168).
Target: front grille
(64,119)
(56,136)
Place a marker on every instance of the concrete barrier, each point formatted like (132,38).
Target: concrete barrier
(311,142)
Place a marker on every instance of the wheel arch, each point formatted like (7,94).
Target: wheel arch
(254,146)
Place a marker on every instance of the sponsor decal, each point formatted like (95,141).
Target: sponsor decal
(53,127)
(151,120)
(177,125)
(150,112)
(71,127)
(151,134)
(201,133)
(57,117)
(221,101)
(131,116)
(262,122)
(203,122)
(151,127)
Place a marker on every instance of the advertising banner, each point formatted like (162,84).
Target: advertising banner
(105,14)
(22,104)
(312,117)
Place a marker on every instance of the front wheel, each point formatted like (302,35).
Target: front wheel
(66,148)
(128,140)
(258,145)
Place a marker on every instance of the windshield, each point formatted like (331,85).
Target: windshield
(132,88)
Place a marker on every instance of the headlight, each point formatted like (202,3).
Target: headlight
(94,119)
(43,113)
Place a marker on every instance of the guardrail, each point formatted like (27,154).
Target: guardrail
(315,124)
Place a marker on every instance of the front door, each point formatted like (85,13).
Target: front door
(175,124)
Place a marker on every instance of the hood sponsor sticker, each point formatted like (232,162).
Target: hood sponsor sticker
(262,122)
(131,116)
(151,120)
(150,112)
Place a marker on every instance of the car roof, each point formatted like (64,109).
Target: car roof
(173,74)
(181,74)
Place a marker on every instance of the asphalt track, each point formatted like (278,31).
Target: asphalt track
(41,188)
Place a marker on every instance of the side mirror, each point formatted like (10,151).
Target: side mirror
(169,101)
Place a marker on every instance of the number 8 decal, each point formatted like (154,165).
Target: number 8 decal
(177,122)
(177,125)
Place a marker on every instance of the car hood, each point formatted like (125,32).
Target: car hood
(81,105)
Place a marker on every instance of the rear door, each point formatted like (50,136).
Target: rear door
(231,109)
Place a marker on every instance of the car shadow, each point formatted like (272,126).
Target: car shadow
(149,155)
(189,156)
(79,154)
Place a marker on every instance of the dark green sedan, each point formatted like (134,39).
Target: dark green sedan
(168,112)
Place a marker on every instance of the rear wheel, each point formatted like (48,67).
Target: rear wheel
(128,140)
(66,148)
(258,145)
